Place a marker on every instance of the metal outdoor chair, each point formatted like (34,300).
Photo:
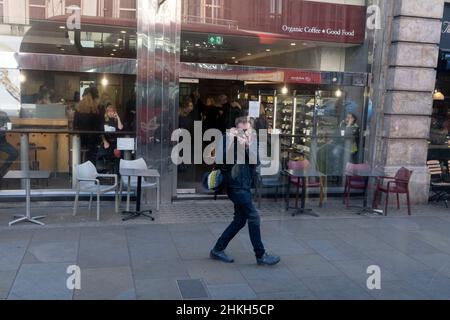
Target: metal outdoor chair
(276,181)
(396,185)
(312,182)
(87,180)
(439,187)
(353,182)
(139,164)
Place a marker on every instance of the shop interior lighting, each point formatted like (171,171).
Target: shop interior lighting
(438,95)
(104,82)
(284,90)
(338,93)
(293,44)
(22,78)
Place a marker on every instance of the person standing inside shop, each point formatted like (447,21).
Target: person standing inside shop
(350,130)
(5,147)
(87,118)
(238,181)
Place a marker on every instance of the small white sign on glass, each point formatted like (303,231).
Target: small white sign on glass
(254,109)
(125,144)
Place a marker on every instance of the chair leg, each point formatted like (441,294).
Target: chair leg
(297,195)
(158,194)
(116,201)
(321,196)
(90,202)
(128,196)
(386,204)
(398,201)
(120,193)
(409,203)
(375,200)
(346,193)
(98,206)
(75,206)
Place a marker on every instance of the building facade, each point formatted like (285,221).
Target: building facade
(319,60)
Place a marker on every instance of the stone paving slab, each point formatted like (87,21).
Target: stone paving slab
(324,258)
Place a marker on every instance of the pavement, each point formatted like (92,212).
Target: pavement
(322,258)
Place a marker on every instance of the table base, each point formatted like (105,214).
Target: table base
(136,214)
(369,211)
(305,212)
(27,219)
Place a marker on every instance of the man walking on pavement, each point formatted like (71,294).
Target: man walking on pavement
(238,180)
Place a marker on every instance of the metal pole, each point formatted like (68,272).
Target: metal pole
(76,157)
(24,156)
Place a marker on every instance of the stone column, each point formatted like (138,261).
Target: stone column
(403,92)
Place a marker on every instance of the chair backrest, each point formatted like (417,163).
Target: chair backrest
(268,164)
(299,165)
(402,179)
(86,170)
(352,168)
(434,166)
(133,164)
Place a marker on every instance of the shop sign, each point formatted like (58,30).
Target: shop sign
(445,37)
(302,77)
(300,20)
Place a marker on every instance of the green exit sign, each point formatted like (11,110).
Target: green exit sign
(215,40)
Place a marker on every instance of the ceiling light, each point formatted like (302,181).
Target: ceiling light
(338,93)
(104,82)
(116,45)
(293,44)
(438,96)
(114,50)
(268,50)
(249,54)
(233,58)
(62,27)
(236,62)
(284,90)
(197,44)
(112,54)
(23,78)
(123,32)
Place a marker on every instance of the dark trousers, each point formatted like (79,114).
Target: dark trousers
(244,211)
(5,147)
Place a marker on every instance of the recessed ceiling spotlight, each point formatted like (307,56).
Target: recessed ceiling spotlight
(62,27)
(112,54)
(236,61)
(233,58)
(114,50)
(123,32)
(197,44)
(293,44)
(249,54)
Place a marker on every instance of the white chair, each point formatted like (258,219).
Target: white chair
(131,182)
(86,176)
